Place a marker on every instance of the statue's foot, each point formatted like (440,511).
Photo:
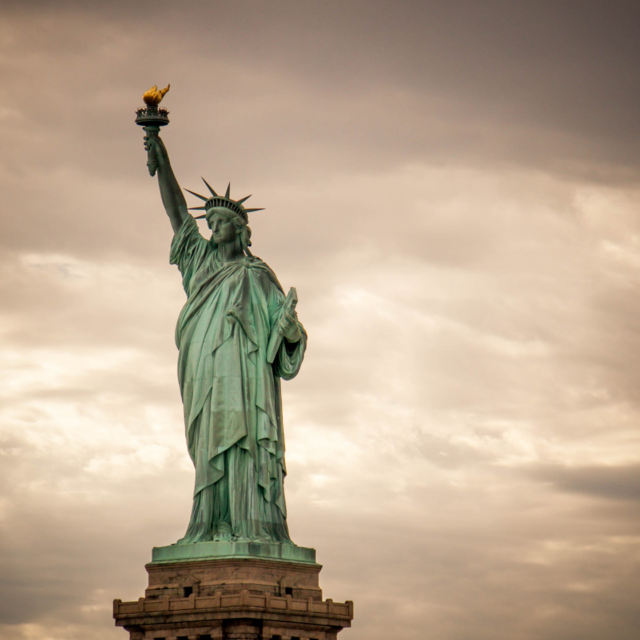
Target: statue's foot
(261,539)
(223,533)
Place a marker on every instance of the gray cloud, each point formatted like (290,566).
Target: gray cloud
(617,482)
(452,187)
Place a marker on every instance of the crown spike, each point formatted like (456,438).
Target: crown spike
(213,193)
(197,195)
(243,199)
(199,217)
(197,208)
(226,195)
(250,210)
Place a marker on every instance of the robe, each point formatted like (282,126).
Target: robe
(231,394)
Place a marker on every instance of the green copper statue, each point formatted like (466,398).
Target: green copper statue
(238,335)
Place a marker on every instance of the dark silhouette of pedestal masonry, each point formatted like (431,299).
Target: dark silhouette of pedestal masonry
(237,591)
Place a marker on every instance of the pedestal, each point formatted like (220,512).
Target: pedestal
(239,591)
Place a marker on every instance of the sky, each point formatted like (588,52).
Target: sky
(452,187)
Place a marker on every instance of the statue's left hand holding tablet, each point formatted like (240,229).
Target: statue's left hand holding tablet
(289,327)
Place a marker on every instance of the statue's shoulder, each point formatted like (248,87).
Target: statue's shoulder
(263,269)
(189,234)
(260,265)
(188,247)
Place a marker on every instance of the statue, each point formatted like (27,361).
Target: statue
(237,336)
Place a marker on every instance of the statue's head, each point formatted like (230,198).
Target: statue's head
(226,215)
(232,211)
(228,227)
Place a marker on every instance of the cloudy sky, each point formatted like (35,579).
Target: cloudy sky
(453,187)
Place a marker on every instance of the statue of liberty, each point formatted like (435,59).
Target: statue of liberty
(238,335)
(235,573)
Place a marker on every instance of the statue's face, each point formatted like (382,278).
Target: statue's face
(223,229)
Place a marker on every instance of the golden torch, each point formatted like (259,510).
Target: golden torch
(151,118)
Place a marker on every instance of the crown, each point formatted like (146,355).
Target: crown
(222,201)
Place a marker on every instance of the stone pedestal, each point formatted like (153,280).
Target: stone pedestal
(234,593)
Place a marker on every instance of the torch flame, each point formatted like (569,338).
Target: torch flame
(153,96)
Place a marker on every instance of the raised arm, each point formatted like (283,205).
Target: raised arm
(172,196)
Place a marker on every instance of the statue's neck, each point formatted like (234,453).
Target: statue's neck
(231,252)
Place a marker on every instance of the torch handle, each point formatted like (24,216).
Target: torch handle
(152,164)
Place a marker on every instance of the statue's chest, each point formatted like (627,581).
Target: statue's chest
(211,277)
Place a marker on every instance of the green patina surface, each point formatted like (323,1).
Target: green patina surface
(238,336)
(202,550)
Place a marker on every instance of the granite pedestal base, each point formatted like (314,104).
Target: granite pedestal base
(233,596)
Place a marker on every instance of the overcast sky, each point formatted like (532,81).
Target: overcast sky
(453,187)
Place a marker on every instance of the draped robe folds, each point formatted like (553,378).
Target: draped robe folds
(231,394)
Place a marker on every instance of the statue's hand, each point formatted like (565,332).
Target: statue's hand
(289,327)
(155,148)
